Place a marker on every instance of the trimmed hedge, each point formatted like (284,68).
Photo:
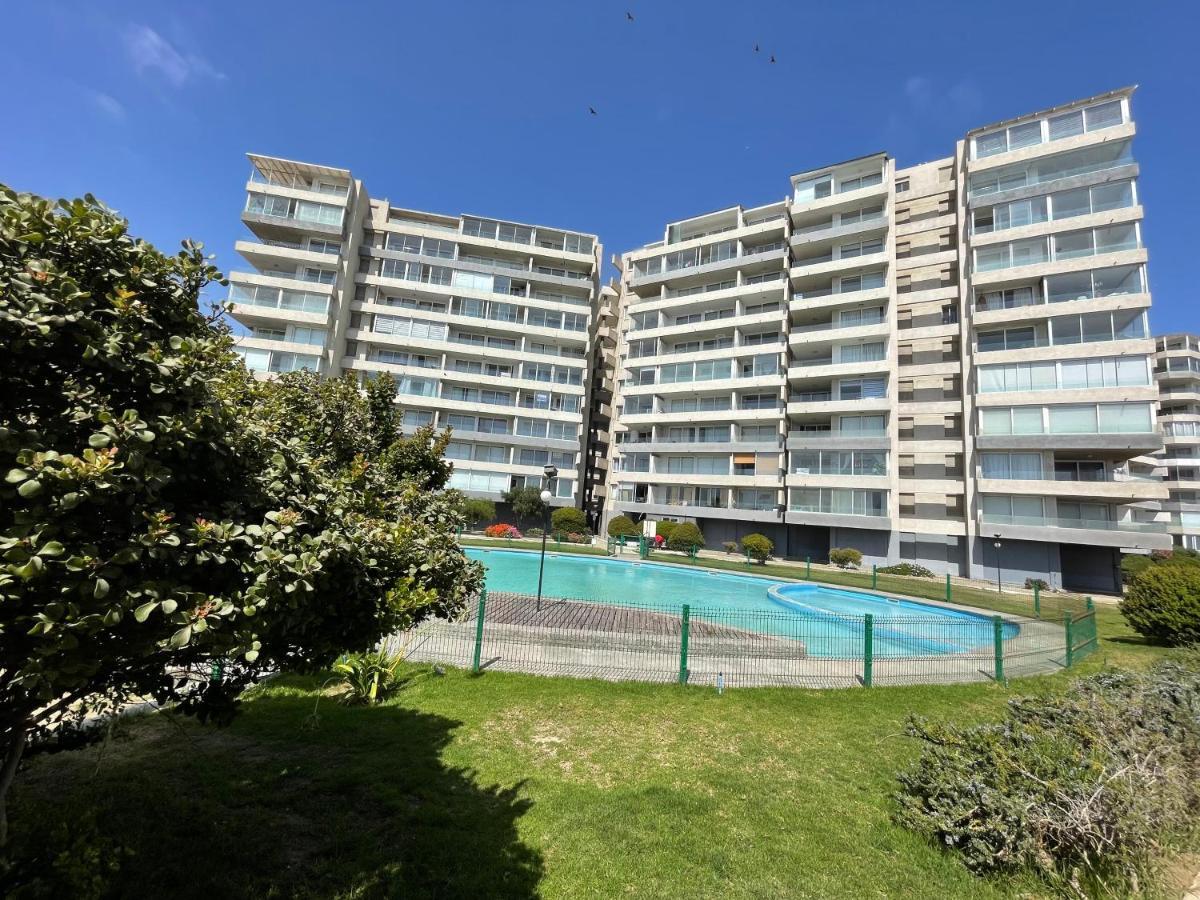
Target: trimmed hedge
(906,568)
(666,528)
(1162,602)
(684,537)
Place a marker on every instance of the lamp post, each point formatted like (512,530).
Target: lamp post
(551,473)
(781,508)
(996,544)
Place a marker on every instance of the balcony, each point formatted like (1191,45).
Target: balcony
(1124,534)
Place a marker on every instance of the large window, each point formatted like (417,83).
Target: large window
(1053,207)
(1026,466)
(1068,245)
(1067,374)
(1052,128)
(839,462)
(842,501)
(1050,168)
(1084,418)
(861,388)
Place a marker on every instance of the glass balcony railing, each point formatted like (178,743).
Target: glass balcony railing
(1058,522)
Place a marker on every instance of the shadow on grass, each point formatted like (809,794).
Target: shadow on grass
(361,805)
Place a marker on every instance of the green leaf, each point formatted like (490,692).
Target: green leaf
(182,637)
(99,439)
(16,476)
(251,655)
(169,606)
(142,613)
(51,548)
(100,589)
(30,488)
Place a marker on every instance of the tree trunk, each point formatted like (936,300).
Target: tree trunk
(12,758)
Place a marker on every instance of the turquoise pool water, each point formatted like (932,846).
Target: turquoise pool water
(829,621)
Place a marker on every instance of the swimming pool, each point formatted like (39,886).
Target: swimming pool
(829,621)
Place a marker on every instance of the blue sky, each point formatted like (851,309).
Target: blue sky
(483,107)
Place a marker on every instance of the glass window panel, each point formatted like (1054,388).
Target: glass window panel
(1027,420)
(1026,465)
(1072,245)
(1115,238)
(1096,327)
(991,144)
(1025,135)
(1118,280)
(1128,325)
(1065,330)
(1066,125)
(1074,374)
(1103,116)
(1071,203)
(1112,196)
(1073,420)
(1027,507)
(995,421)
(1071,286)
(1125,418)
(1042,376)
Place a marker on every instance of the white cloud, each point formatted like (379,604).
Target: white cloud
(108,105)
(151,53)
(924,96)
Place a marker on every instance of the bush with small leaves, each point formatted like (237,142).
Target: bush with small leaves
(622,526)
(685,537)
(1086,788)
(906,568)
(845,557)
(1163,603)
(567,519)
(758,547)
(476,510)
(730,547)
(665,528)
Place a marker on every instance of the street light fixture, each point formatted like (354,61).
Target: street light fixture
(551,473)
(997,545)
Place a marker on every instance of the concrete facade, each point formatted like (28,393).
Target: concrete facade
(947,364)
(488,326)
(1177,370)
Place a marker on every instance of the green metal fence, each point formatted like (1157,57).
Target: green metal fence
(645,642)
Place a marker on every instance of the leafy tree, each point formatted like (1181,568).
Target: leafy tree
(758,546)
(622,526)
(526,503)
(684,537)
(162,510)
(665,528)
(476,510)
(568,520)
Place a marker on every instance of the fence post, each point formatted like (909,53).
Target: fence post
(998,641)
(1089,605)
(1070,639)
(874,576)
(947,587)
(808,567)
(479,629)
(683,643)
(1037,601)
(868,648)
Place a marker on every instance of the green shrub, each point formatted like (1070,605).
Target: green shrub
(684,537)
(906,568)
(368,677)
(534,532)
(845,557)
(665,528)
(758,546)
(1087,787)
(476,510)
(622,526)
(1162,602)
(1040,583)
(1132,565)
(730,547)
(567,519)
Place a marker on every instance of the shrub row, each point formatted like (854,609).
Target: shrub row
(1086,787)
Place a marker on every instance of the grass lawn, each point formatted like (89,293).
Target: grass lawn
(510,785)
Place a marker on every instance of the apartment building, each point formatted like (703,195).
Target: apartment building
(487,325)
(1177,370)
(948,364)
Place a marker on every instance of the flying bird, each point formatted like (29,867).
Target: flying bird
(629,15)
(772,57)
(592,110)
(756,48)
